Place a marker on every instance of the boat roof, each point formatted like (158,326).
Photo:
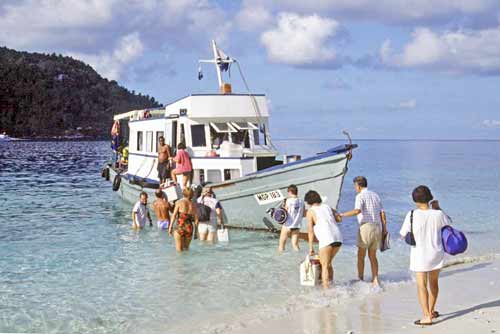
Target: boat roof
(199,106)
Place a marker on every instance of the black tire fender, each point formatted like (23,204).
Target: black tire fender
(116,182)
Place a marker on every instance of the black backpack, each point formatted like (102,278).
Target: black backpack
(204,211)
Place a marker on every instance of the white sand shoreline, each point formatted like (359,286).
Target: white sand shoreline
(469,302)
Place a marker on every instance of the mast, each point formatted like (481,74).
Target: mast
(217,61)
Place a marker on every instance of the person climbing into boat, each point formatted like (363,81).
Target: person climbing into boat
(322,222)
(115,141)
(183,166)
(162,208)
(291,228)
(370,213)
(208,229)
(140,213)
(163,160)
(184,216)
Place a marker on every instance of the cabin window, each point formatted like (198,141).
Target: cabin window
(214,175)
(158,135)
(182,138)
(230,174)
(139,141)
(243,134)
(198,135)
(220,132)
(199,176)
(149,141)
(256,138)
(174,136)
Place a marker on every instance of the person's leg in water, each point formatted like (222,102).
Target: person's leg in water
(423,297)
(283,236)
(361,263)
(325,258)
(372,256)
(330,268)
(433,291)
(202,231)
(178,241)
(295,239)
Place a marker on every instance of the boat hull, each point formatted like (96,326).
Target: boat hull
(246,200)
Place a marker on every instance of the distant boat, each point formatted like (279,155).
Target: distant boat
(5,138)
(228,139)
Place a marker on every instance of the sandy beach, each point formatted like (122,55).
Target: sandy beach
(469,302)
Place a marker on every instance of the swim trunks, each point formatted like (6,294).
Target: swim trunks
(163,224)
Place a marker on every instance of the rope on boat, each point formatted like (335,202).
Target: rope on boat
(255,106)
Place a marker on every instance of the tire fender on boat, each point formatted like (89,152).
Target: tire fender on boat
(105,173)
(116,182)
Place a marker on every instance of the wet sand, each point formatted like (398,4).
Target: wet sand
(469,302)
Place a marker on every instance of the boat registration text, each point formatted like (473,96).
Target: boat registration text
(269,197)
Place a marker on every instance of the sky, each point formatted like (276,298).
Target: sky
(386,69)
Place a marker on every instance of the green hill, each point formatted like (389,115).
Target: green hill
(52,95)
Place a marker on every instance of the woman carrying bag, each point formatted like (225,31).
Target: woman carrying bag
(422,231)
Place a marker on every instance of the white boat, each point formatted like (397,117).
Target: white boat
(228,139)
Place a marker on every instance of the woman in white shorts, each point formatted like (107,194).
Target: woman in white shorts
(322,223)
(208,229)
(427,256)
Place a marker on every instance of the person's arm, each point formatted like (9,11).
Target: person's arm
(405,228)
(150,220)
(196,219)
(357,208)
(310,231)
(134,223)
(337,216)
(383,219)
(218,211)
(174,218)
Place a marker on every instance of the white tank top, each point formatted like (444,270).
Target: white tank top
(325,228)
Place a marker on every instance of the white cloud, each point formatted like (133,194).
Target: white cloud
(491,123)
(405,105)
(300,40)
(253,18)
(394,11)
(111,64)
(459,51)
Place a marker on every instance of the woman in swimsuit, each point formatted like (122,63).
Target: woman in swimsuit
(184,215)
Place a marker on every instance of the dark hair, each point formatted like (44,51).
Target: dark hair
(181,146)
(161,138)
(312,197)
(293,189)
(422,194)
(361,181)
(143,193)
(159,193)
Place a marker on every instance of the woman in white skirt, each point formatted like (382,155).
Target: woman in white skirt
(427,256)
(322,223)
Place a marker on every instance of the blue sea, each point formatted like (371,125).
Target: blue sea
(70,262)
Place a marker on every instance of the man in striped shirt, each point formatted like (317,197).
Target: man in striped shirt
(370,213)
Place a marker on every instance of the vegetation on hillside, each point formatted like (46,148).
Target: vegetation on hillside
(53,95)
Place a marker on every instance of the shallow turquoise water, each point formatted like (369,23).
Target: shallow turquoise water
(69,261)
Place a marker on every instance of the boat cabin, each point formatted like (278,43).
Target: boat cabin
(226,136)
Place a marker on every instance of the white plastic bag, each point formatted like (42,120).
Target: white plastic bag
(310,270)
(222,234)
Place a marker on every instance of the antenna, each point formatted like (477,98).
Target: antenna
(220,60)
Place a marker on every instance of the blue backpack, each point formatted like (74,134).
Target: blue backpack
(454,241)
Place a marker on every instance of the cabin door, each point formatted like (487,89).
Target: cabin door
(174,136)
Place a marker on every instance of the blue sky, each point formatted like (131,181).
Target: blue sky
(380,69)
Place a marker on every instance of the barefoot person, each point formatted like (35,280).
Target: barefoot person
(140,213)
(208,229)
(183,165)
(370,213)
(322,223)
(291,228)
(184,216)
(162,208)
(163,160)
(427,256)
